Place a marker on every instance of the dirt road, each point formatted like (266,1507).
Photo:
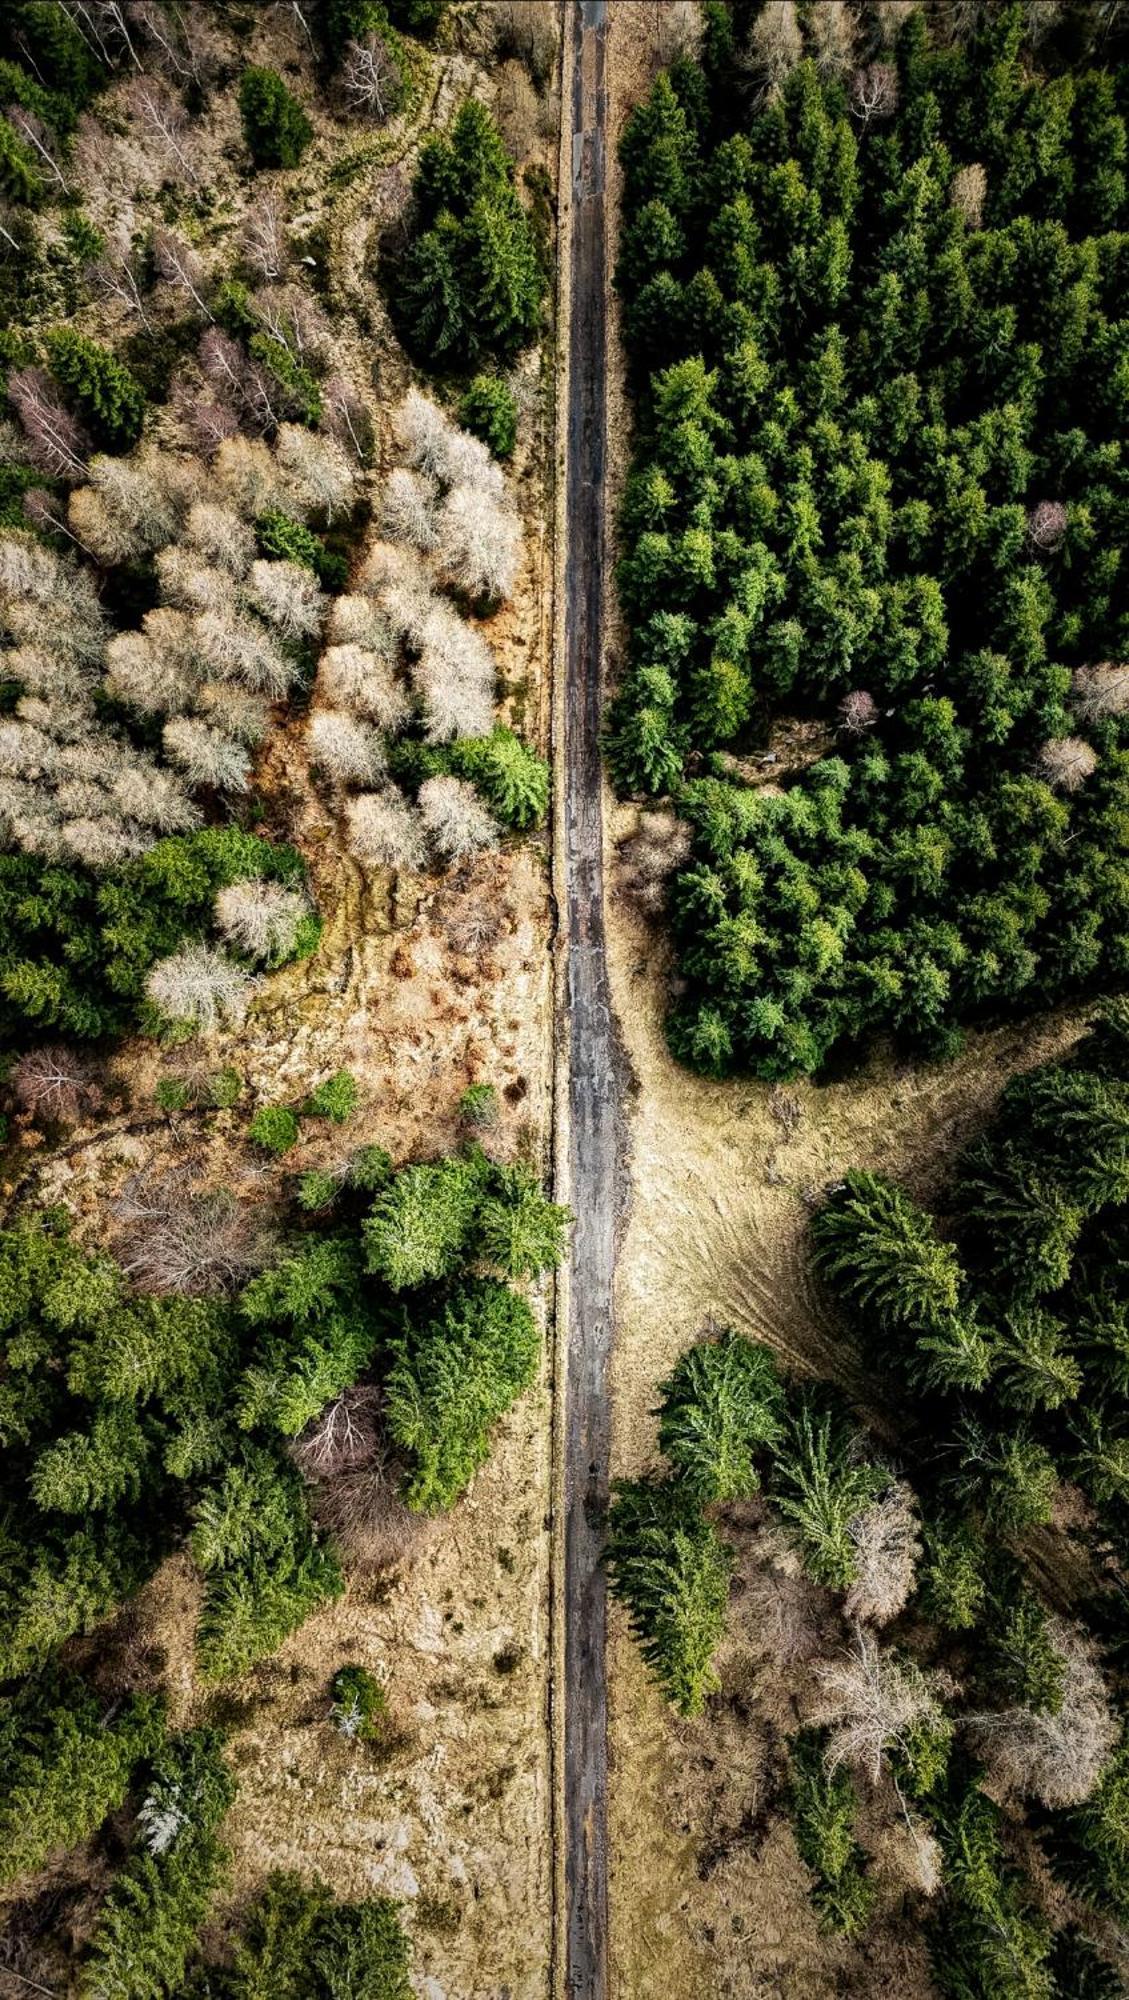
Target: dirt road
(594,1126)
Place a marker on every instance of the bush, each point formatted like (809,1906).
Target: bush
(513,781)
(274,1127)
(822,1807)
(335,1099)
(488,411)
(298,1944)
(275,127)
(360,1705)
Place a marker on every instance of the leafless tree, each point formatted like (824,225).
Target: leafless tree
(775,46)
(55,1084)
(47,514)
(56,441)
(153,679)
(478,543)
(220,537)
(115,276)
(422,432)
(369,80)
(385,832)
(968,194)
(1065,762)
(178,264)
(408,512)
(652,855)
(349,751)
(833,28)
(454,676)
(205,756)
(345,1436)
(200,985)
(517,109)
(361,1507)
(288,596)
(290,316)
(456,821)
(181,37)
(241,649)
(910,1855)
(206,421)
(104,27)
(468,462)
(1100,690)
(177,1237)
(261,918)
(233,711)
(320,475)
(345,417)
(875,92)
(36,135)
(353,677)
(1047,524)
(356,620)
(161,116)
(128,509)
(890,17)
(247,477)
(223,365)
(887,1545)
(528,30)
(266,247)
(872,1702)
(858,712)
(1056,1757)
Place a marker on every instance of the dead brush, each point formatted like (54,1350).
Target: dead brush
(361,1507)
(179,1237)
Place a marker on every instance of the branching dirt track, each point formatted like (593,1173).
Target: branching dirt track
(594,1131)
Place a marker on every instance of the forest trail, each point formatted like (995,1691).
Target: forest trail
(594,1131)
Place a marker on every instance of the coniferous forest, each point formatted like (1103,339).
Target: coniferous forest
(875,324)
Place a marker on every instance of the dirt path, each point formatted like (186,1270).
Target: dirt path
(594,1145)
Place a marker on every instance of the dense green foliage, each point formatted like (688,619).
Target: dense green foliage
(823,1805)
(671,1569)
(68,1761)
(879,481)
(297,1943)
(147,1927)
(75,947)
(275,127)
(488,411)
(471,281)
(360,1704)
(453,1376)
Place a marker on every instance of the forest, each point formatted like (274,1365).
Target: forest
(955,1703)
(262,591)
(872,540)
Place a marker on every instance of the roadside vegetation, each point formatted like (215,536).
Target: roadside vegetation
(872,276)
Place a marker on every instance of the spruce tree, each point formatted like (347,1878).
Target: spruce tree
(721,1413)
(670,1569)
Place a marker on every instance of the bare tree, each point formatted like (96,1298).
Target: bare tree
(320,475)
(349,751)
(262,918)
(355,620)
(288,596)
(858,712)
(162,118)
(887,1545)
(344,1437)
(104,28)
(968,194)
(220,537)
(456,821)
(345,417)
(652,855)
(115,275)
(1066,762)
(384,832)
(775,46)
(454,676)
(1099,691)
(1047,524)
(422,432)
(266,247)
(408,512)
(205,756)
(352,677)
(890,17)
(872,1702)
(154,679)
(1054,1756)
(241,649)
(234,711)
(35,134)
(875,92)
(55,1084)
(56,441)
(290,316)
(369,80)
(178,1237)
(247,477)
(478,543)
(833,28)
(362,1508)
(178,264)
(205,421)
(182,38)
(128,509)
(528,30)
(200,985)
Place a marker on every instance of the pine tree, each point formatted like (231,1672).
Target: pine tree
(670,1569)
(721,1412)
(297,1943)
(519,1229)
(275,127)
(420,1225)
(109,400)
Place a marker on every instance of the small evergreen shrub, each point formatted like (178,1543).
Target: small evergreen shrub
(335,1099)
(275,127)
(489,412)
(274,1127)
(360,1705)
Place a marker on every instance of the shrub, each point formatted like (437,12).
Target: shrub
(478,1105)
(488,411)
(360,1705)
(512,780)
(335,1099)
(822,1806)
(275,127)
(274,1127)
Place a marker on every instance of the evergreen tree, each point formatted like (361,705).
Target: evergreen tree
(275,127)
(822,1805)
(108,399)
(68,1764)
(671,1570)
(722,1410)
(820,1484)
(451,1378)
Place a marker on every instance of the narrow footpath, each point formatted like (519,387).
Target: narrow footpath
(594,1129)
